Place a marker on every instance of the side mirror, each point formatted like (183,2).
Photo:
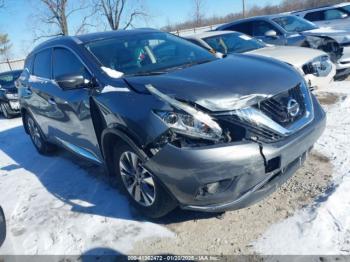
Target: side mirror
(219,55)
(271,33)
(2,227)
(68,82)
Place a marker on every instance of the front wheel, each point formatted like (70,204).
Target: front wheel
(37,137)
(144,190)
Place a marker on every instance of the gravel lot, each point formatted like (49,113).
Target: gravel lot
(234,231)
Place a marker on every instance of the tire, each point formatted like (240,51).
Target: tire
(153,202)
(37,137)
(2,227)
(5,109)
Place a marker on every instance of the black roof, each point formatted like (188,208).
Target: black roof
(309,9)
(81,39)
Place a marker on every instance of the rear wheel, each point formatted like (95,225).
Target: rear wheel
(144,190)
(37,137)
(5,109)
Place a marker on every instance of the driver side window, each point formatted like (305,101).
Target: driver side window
(66,63)
(261,27)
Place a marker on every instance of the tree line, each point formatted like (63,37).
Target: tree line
(199,19)
(54,17)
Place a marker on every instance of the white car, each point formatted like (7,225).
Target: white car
(333,16)
(314,65)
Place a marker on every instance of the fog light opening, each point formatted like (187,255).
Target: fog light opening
(214,188)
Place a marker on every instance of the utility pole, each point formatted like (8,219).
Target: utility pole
(243,5)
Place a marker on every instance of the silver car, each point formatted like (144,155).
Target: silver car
(333,16)
(315,65)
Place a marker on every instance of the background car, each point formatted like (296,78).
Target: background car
(174,124)
(314,65)
(333,16)
(9,104)
(292,30)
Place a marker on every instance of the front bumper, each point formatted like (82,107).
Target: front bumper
(344,61)
(184,170)
(14,105)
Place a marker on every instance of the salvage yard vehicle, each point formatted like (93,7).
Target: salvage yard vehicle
(174,124)
(292,30)
(2,227)
(9,104)
(314,65)
(333,16)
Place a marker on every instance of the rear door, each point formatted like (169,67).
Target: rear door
(39,89)
(74,127)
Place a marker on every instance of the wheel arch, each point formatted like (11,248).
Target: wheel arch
(112,136)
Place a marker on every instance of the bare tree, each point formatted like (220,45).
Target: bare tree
(54,17)
(198,6)
(5,45)
(117,12)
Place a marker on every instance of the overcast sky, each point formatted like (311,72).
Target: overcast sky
(16,20)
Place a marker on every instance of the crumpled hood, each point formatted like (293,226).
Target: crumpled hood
(294,55)
(341,36)
(224,84)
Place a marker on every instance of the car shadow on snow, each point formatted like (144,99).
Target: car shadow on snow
(78,183)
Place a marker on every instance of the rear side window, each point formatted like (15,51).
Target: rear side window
(245,28)
(67,63)
(42,64)
(334,14)
(315,16)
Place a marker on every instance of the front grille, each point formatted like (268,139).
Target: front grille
(276,107)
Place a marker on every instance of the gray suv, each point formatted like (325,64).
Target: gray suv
(174,125)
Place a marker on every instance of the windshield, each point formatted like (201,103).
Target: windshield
(294,24)
(233,43)
(9,78)
(346,8)
(147,52)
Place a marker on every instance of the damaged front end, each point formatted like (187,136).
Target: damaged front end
(215,161)
(259,118)
(326,44)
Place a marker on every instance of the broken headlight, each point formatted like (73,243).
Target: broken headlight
(11,96)
(188,125)
(321,66)
(187,120)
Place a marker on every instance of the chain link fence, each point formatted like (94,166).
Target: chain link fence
(195,30)
(10,65)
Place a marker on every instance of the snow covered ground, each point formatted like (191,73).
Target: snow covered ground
(324,227)
(63,205)
(60,205)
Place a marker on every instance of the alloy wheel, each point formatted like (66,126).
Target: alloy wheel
(138,181)
(34,132)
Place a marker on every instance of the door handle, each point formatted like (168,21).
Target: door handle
(52,101)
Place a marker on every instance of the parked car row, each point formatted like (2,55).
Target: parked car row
(211,123)
(290,30)
(9,104)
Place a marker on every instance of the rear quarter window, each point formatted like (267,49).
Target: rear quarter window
(42,64)
(315,16)
(246,28)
